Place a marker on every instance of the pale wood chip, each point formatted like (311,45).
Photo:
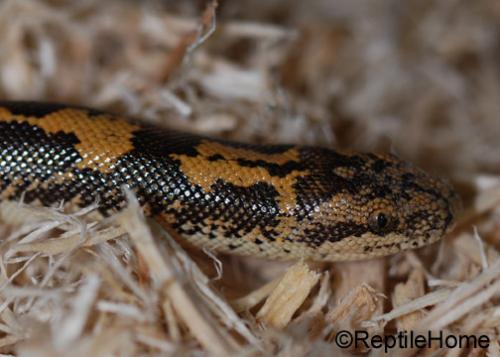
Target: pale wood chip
(256,296)
(63,244)
(358,305)
(192,312)
(288,295)
(406,292)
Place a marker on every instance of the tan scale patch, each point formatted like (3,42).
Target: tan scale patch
(102,139)
(287,226)
(12,188)
(209,148)
(352,248)
(341,208)
(203,172)
(345,172)
(5,115)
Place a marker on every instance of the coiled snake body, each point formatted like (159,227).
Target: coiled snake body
(279,201)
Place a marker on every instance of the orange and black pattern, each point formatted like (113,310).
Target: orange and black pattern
(274,201)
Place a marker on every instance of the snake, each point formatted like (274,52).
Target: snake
(278,202)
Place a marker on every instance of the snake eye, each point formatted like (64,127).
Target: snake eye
(380,223)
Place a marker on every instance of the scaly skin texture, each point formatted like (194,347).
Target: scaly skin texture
(280,202)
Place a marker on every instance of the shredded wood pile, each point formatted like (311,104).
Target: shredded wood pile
(419,78)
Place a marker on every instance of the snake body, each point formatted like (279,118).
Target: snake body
(274,201)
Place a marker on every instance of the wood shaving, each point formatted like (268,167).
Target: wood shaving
(420,79)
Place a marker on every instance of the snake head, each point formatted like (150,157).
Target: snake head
(409,203)
(375,205)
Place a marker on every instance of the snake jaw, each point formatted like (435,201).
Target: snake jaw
(431,206)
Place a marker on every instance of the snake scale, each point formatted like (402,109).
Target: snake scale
(274,201)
